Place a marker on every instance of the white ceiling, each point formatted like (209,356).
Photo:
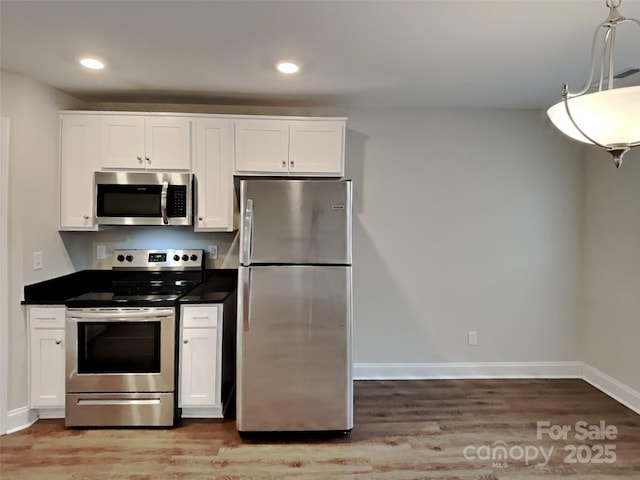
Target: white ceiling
(513,54)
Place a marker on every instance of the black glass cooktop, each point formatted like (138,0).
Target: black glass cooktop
(109,299)
(136,290)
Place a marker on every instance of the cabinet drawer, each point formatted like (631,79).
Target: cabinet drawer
(47,317)
(200,316)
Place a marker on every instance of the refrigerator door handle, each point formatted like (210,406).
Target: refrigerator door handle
(246,240)
(245,295)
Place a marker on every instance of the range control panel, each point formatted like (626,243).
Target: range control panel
(169,259)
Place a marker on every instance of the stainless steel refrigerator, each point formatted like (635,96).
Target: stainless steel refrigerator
(294,370)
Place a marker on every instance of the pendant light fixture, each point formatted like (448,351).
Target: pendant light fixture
(608,117)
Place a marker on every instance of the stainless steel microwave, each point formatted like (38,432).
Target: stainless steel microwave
(138,198)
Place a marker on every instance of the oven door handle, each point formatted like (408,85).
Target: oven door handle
(139,314)
(163,202)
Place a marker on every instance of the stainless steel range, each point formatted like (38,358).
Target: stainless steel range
(121,349)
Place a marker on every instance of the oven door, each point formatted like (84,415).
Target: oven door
(120,350)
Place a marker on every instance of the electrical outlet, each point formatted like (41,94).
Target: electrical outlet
(101,252)
(37,260)
(473,338)
(213,252)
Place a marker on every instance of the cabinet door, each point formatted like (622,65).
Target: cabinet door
(262,147)
(122,142)
(316,148)
(199,378)
(214,177)
(79,141)
(47,369)
(168,143)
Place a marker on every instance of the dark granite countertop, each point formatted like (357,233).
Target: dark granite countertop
(219,284)
(57,291)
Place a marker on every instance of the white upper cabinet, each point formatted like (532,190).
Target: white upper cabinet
(313,147)
(262,146)
(78,161)
(212,166)
(132,142)
(316,147)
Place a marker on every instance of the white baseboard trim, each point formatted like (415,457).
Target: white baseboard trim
(51,413)
(430,371)
(617,390)
(20,418)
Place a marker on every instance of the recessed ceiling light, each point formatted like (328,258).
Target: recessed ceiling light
(287,67)
(92,63)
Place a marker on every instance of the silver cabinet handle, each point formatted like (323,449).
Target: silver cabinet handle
(291,162)
(86,217)
(200,219)
(139,158)
(284,163)
(185,341)
(58,342)
(147,159)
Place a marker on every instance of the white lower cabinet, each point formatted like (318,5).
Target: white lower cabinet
(47,360)
(200,374)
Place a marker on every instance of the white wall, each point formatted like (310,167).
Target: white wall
(610,328)
(32,109)
(464,220)
(4,269)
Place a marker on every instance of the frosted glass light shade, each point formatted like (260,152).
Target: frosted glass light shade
(610,117)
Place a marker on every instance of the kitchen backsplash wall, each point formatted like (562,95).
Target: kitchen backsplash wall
(82,246)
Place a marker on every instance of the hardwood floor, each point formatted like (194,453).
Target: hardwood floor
(440,429)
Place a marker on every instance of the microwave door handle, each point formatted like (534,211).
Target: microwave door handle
(163,202)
